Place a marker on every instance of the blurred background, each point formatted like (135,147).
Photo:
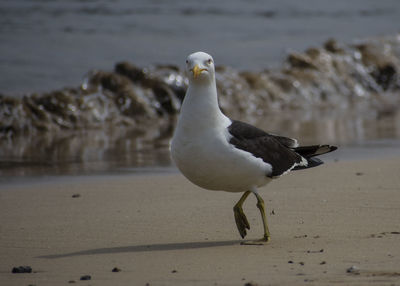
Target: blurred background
(94,86)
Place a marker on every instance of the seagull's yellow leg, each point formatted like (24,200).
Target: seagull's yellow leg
(261,207)
(240,218)
(267,237)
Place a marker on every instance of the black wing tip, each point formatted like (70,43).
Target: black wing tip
(332,148)
(328,148)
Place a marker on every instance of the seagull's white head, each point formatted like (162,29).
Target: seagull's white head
(200,68)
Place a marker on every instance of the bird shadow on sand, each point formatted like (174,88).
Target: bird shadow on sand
(146,248)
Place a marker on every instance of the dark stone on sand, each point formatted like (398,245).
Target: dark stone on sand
(116,269)
(250,284)
(174,271)
(86,277)
(353,270)
(301,236)
(22,269)
(315,251)
(76,195)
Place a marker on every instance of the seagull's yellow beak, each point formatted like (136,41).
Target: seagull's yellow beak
(197,71)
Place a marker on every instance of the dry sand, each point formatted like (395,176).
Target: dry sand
(162,230)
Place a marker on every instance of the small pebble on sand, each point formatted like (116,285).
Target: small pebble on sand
(86,277)
(22,269)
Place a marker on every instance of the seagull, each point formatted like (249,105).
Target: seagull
(217,153)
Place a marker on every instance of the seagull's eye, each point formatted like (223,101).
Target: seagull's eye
(209,61)
(187,61)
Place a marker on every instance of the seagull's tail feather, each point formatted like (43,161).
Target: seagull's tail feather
(308,152)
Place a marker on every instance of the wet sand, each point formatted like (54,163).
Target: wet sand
(161,230)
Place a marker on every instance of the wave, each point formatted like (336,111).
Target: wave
(361,77)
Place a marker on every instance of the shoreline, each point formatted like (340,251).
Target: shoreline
(162,230)
(28,172)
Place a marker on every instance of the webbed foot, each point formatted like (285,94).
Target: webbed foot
(262,241)
(241,221)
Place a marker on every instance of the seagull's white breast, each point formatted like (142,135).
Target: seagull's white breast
(207,159)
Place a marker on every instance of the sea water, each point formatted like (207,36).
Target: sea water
(46,45)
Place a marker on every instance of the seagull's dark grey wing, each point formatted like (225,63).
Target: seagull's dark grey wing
(248,131)
(272,149)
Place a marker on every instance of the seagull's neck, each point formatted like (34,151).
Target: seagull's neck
(200,107)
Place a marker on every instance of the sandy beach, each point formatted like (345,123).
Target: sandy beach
(89,104)
(159,229)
